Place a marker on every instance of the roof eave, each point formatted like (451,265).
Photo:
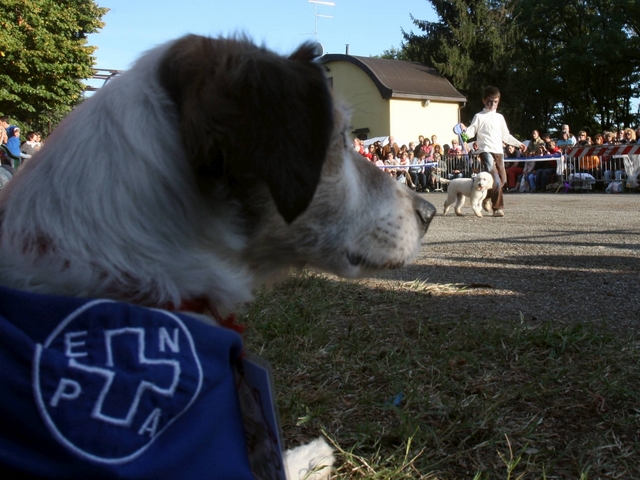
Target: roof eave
(385,92)
(435,98)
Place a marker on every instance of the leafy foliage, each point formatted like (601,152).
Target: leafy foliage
(394,54)
(44,56)
(575,62)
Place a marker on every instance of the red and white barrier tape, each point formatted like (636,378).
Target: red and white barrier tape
(604,150)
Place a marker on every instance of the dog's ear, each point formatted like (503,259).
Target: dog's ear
(489,181)
(248,115)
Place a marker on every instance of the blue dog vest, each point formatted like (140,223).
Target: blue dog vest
(101,389)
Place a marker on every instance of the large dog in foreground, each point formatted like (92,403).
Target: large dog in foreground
(475,189)
(209,168)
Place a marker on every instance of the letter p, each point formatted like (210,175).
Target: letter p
(67,390)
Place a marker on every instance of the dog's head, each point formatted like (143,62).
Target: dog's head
(483,181)
(249,116)
(243,170)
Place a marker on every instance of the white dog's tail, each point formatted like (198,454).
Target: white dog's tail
(313,461)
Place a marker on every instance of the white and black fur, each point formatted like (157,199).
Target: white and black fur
(209,168)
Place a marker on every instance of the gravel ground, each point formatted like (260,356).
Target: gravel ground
(553,257)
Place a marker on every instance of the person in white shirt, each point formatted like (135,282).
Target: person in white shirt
(570,137)
(490,129)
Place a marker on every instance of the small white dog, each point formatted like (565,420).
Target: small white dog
(475,188)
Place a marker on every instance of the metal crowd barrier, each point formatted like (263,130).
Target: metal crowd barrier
(439,174)
(612,168)
(576,169)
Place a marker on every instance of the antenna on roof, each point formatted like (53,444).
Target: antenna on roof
(317,15)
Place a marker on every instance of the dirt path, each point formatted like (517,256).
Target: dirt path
(559,257)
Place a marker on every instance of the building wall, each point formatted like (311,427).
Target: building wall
(405,119)
(355,88)
(409,119)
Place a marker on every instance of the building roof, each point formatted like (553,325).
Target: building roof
(401,79)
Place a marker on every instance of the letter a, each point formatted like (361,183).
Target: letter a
(150,425)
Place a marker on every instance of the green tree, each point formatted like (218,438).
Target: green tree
(394,54)
(575,62)
(44,56)
(471,45)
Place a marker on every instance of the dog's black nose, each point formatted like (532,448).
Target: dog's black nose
(424,210)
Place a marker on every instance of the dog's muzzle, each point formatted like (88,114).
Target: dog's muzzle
(424,210)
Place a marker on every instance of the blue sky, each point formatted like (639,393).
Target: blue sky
(368,26)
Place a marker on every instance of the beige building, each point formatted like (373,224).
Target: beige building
(393,97)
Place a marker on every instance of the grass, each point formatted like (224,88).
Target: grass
(402,395)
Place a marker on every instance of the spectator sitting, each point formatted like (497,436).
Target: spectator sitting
(570,137)
(437,153)
(418,148)
(437,171)
(5,122)
(392,147)
(427,148)
(434,142)
(629,136)
(527,180)
(544,171)
(369,151)
(390,160)
(614,167)
(534,144)
(416,172)
(6,160)
(403,172)
(589,164)
(455,148)
(378,149)
(583,139)
(357,146)
(475,149)
(3,137)
(564,141)
(31,146)
(609,138)
(13,145)
(531,177)
(458,166)
(13,141)
(513,169)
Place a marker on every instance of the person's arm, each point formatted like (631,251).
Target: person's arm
(472,129)
(510,139)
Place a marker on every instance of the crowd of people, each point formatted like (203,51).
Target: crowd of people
(426,165)
(13,149)
(535,176)
(420,165)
